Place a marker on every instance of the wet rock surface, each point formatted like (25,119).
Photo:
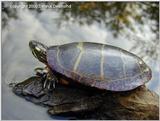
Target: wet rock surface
(80,103)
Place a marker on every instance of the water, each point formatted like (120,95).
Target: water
(18,62)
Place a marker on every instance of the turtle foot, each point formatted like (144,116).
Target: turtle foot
(49,84)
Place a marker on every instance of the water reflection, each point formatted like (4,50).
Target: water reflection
(18,62)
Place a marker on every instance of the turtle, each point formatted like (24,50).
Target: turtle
(101,66)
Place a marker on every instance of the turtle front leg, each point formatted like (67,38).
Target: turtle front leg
(48,78)
(50,81)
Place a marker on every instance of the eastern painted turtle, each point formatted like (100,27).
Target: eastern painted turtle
(96,65)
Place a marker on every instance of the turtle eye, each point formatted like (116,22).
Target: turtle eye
(140,62)
(40,53)
(37,48)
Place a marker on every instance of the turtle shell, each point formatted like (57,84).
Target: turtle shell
(99,65)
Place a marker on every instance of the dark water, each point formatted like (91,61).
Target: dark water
(18,62)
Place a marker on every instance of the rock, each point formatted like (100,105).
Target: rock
(85,103)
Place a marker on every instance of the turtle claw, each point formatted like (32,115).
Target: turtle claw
(45,83)
(49,84)
(54,85)
(49,79)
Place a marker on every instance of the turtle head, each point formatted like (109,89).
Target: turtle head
(39,50)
